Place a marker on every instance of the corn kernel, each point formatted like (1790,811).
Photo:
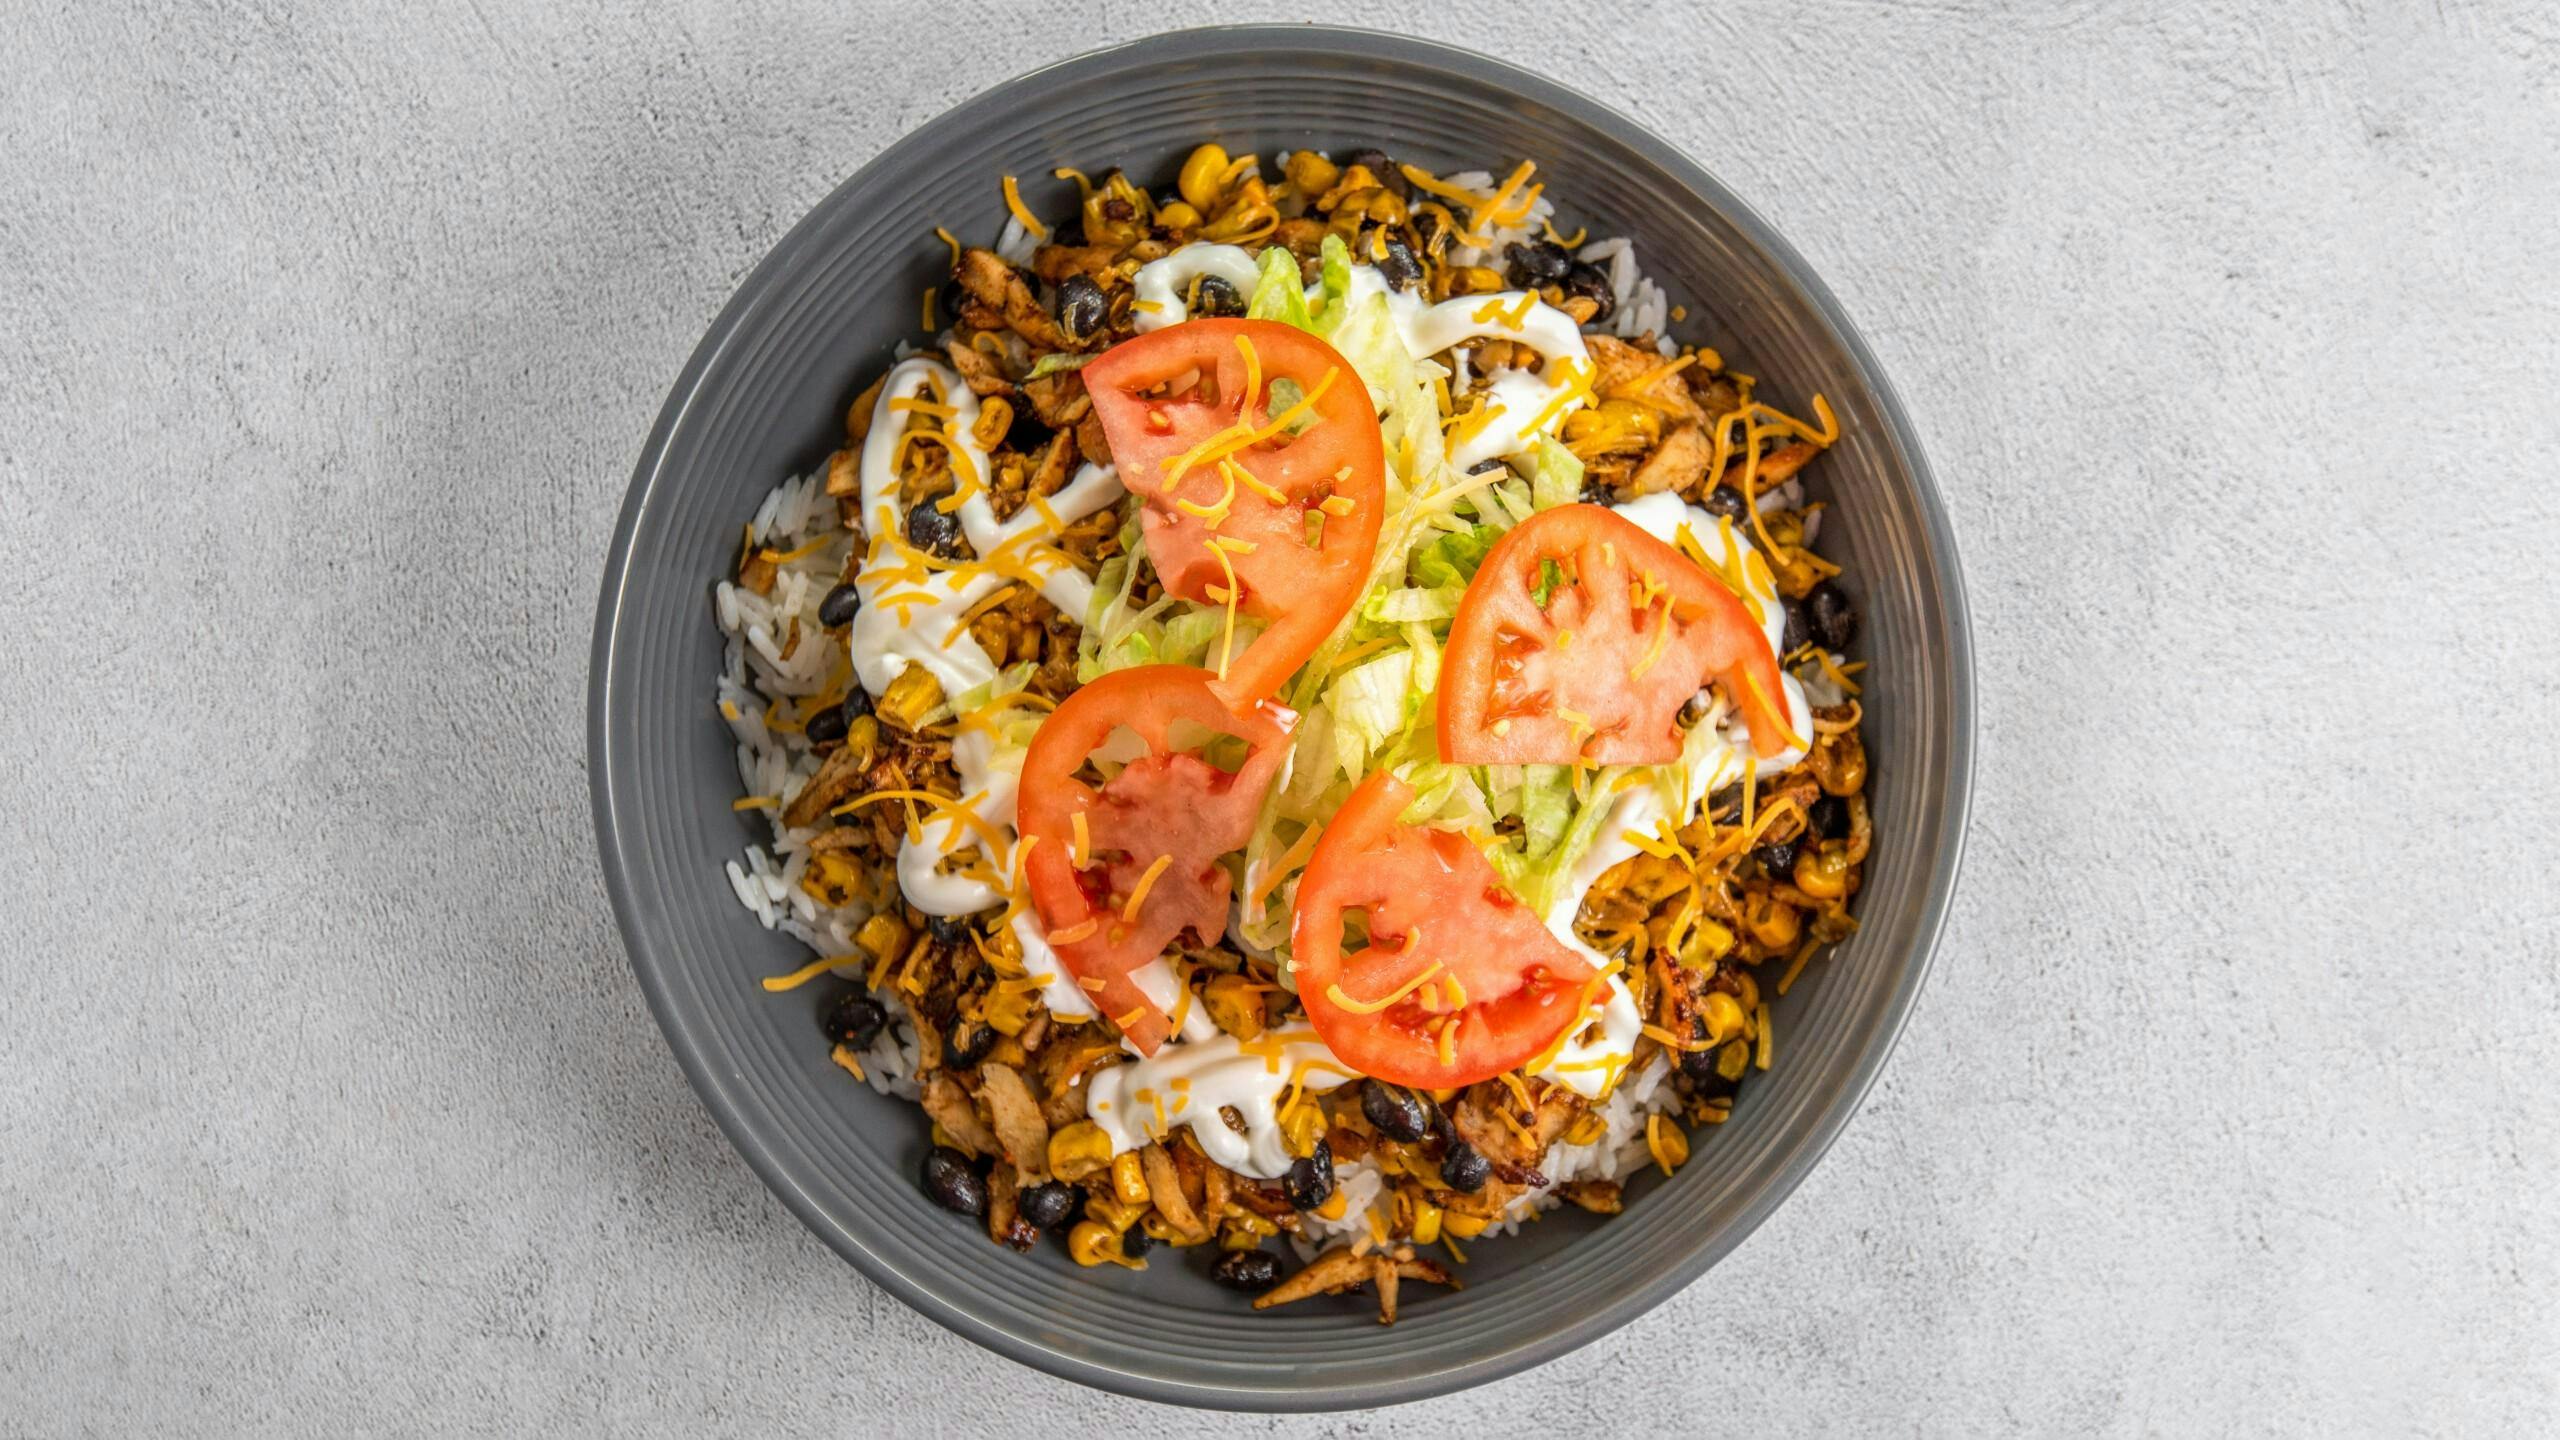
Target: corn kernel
(1823,873)
(1129,1179)
(909,698)
(1773,922)
(1424,1222)
(1109,1211)
(1301,1127)
(1092,1244)
(884,935)
(1079,1150)
(1723,1015)
(1669,1144)
(1335,1205)
(1235,1005)
(1311,173)
(1178,216)
(1007,1051)
(1232,1238)
(1587,1129)
(1708,942)
(1462,1225)
(1199,179)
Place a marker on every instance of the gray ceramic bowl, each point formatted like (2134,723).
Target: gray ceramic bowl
(764,397)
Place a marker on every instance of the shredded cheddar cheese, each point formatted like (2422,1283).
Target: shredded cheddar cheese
(1021,212)
(1339,997)
(1146,882)
(806,973)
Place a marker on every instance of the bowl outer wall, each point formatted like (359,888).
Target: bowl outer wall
(762,397)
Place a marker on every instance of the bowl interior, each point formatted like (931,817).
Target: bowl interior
(765,397)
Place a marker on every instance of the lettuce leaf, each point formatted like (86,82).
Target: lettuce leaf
(1278,294)
(1451,559)
(1556,478)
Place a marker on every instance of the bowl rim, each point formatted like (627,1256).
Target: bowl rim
(649,960)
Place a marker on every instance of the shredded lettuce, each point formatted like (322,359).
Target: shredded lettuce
(1365,698)
(1451,559)
(1056,361)
(1556,478)
(1278,295)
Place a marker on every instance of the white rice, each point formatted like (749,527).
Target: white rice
(766,876)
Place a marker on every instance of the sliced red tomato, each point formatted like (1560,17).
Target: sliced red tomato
(1141,868)
(1233,491)
(1458,982)
(1581,637)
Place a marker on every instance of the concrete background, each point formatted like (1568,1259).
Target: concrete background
(328,335)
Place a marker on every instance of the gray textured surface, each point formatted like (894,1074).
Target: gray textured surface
(328,1105)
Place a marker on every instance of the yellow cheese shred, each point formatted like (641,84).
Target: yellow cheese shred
(1021,212)
(1336,994)
(806,973)
(1146,882)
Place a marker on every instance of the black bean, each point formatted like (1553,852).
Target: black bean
(1082,307)
(1397,1112)
(1830,617)
(952,1184)
(1538,263)
(826,727)
(1251,1271)
(1309,1182)
(1051,1203)
(1721,1077)
(1777,861)
(1398,267)
(1431,230)
(838,607)
(1464,1169)
(1217,297)
(853,1020)
(1135,1241)
(1591,282)
(1828,817)
(970,1042)
(1795,636)
(932,531)
(1377,163)
(1728,503)
(1698,1065)
(857,703)
(948,929)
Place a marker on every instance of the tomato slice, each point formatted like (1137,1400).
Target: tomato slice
(1630,628)
(1232,490)
(1151,833)
(1476,982)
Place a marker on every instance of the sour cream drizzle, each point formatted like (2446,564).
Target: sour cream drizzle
(928,629)
(1163,284)
(1188,1084)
